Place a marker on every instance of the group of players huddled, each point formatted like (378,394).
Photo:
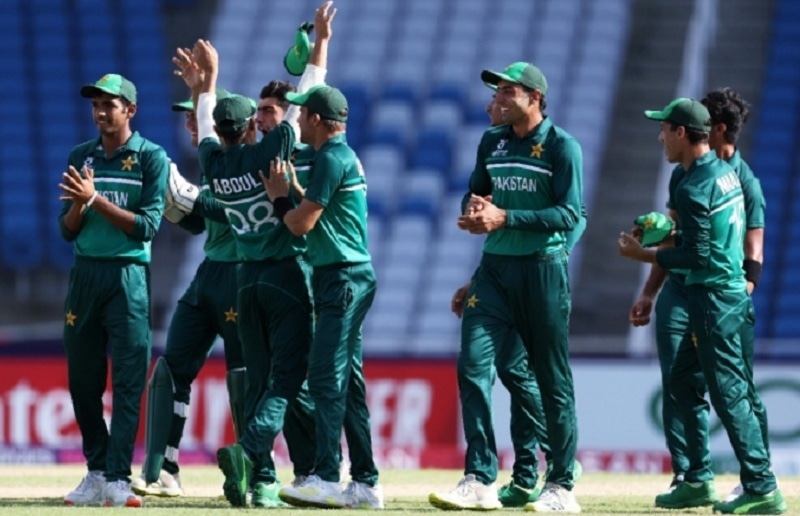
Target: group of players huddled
(287,282)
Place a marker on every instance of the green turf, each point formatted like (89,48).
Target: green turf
(38,491)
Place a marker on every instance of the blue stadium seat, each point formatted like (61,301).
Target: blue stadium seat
(433,150)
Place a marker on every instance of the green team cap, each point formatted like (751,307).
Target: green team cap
(655,227)
(113,84)
(328,102)
(297,56)
(687,112)
(233,112)
(188,105)
(521,73)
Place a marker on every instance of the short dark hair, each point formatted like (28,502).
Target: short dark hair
(277,90)
(694,136)
(727,107)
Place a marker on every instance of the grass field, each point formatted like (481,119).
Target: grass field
(38,491)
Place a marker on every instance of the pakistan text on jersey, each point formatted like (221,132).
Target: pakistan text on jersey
(729,182)
(234,185)
(514,184)
(118,198)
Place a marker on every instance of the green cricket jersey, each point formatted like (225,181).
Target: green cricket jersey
(220,243)
(537,179)
(302,159)
(133,178)
(337,183)
(754,202)
(711,220)
(232,175)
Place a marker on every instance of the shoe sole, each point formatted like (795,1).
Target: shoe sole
(302,502)
(759,509)
(234,479)
(130,502)
(157,492)
(689,504)
(446,505)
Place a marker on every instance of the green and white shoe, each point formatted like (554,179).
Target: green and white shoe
(266,495)
(746,503)
(688,494)
(238,469)
(512,495)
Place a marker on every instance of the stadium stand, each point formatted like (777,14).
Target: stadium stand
(417,111)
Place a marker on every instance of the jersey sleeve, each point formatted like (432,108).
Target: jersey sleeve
(754,203)
(207,207)
(155,171)
(277,143)
(326,178)
(480,183)
(695,228)
(565,212)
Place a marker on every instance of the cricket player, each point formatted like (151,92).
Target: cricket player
(527,414)
(206,310)
(113,193)
(728,113)
(275,312)
(333,216)
(525,194)
(712,220)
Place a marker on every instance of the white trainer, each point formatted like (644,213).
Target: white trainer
(735,493)
(314,492)
(118,494)
(299,480)
(89,491)
(555,498)
(468,494)
(167,485)
(359,495)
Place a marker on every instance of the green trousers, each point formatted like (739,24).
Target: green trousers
(206,309)
(713,352)
(107,313)
(527,415)
(275,329)
(529,295)
(343,295)
(672,327)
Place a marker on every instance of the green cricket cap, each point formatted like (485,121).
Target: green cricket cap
(188,105)
(233,112)
(520,72)
(297,56)
(687,112)
(655,227)
(328,102)
(113,84)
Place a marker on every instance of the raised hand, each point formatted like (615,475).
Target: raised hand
(323,20)
(205,56)
(187,70)
(482,216)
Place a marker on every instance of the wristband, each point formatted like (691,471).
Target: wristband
(752,271)
(91,199)
(282,206)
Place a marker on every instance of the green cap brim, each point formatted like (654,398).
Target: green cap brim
(186,105)
(490,78)
(492,87)
(90,91)
(654,236)
(655,115)
(298,99)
